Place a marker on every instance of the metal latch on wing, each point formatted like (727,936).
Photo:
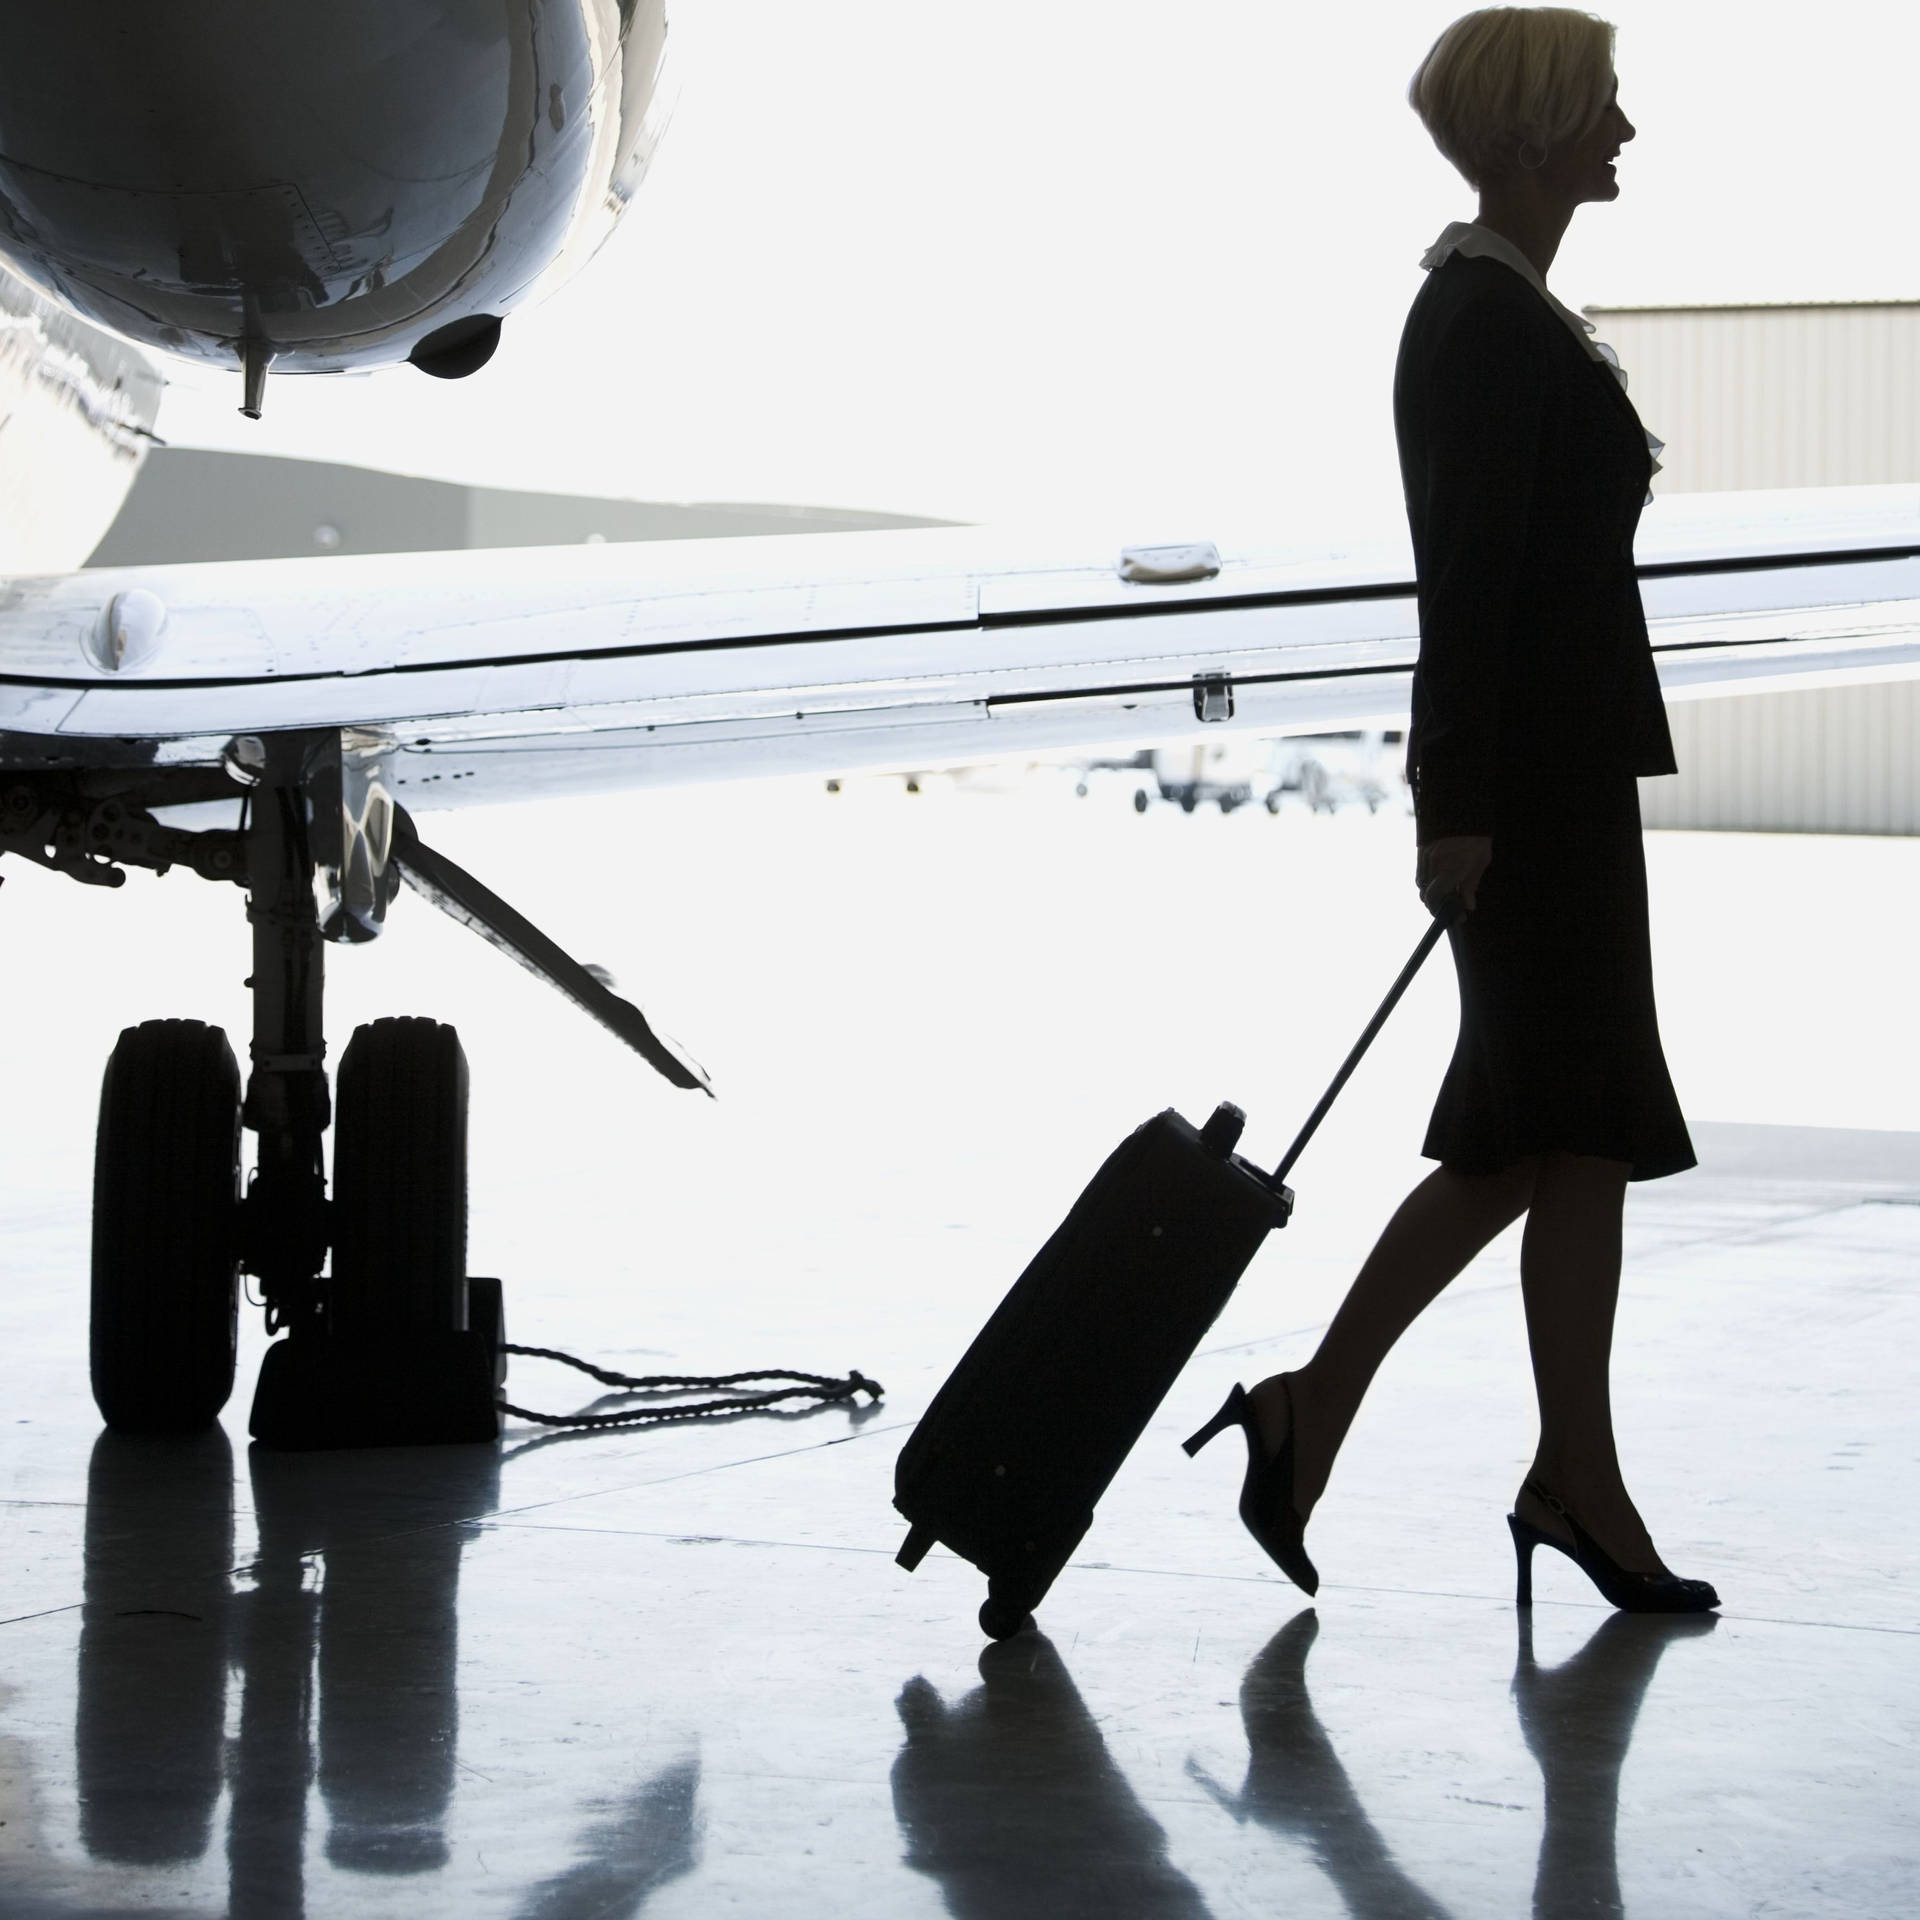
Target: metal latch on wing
(1212,696)
(1167,566)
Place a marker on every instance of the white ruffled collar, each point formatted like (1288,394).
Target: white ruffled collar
(1482,243)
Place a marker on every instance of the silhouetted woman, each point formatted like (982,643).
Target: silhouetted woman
(1535,705)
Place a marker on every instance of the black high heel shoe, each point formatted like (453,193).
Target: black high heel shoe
(1630,1592)
(1266,1495)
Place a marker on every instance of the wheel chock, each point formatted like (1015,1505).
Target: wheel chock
(416,1389)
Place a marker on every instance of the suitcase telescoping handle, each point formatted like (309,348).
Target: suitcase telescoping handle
(1449,911)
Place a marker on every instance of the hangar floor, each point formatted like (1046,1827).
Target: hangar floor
(675,1672)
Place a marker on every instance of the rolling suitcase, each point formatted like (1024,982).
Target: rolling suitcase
(1010,1459)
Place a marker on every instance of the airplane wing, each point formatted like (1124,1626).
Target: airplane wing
(477,676)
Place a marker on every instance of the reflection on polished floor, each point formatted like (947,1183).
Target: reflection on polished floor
(675,1673)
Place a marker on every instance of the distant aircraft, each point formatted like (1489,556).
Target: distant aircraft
(297,189)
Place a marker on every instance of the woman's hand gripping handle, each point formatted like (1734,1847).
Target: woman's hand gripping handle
(1451,870)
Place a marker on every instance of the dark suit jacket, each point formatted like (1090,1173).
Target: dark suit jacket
(1525,468)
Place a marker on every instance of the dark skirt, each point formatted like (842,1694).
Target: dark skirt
(1559,1046)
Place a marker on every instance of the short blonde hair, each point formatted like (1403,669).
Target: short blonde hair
(1507,76)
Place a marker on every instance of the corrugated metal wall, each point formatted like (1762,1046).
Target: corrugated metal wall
(1774,396)
(1840,760)
(1790,396)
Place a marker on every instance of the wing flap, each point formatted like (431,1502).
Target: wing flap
(476,906)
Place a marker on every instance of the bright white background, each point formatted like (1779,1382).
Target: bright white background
(938,1012)
(1033,257)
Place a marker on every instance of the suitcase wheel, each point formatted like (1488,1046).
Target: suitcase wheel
(1001,1619)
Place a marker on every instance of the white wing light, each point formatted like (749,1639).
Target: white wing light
(127,635)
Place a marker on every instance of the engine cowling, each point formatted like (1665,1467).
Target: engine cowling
(266,184)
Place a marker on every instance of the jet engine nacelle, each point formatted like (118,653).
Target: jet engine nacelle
(270,184)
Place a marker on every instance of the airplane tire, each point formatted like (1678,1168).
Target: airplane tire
(399,1182)
(166,1183)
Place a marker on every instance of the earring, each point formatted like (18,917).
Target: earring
(1532,166)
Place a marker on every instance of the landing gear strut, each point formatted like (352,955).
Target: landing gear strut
(394,1343)
(379,1352)
(283,1225)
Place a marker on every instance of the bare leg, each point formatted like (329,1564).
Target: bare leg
(1437,1229)
(1570,1280)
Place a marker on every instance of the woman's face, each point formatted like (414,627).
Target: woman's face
(1582,169)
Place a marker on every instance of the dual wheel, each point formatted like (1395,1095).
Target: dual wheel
(399,1183)
(165,1291)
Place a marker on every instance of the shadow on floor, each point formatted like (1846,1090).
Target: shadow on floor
(628,1853)
(343,1634)
(1011,1802)
(1296,1786)
(1578,1720)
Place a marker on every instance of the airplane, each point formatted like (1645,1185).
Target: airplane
(281,190)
